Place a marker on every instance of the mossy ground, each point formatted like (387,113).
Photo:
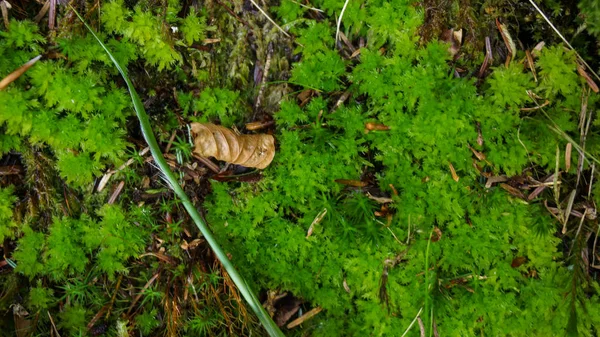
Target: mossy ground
(412,178)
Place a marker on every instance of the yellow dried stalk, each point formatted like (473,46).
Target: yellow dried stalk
(223,144)
(17,73)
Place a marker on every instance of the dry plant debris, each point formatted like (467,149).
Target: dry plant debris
(212,140)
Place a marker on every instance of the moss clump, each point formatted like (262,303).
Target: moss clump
(404,182)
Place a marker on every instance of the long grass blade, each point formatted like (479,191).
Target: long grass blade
(159,159)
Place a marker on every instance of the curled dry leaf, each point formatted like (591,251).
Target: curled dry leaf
(223,144)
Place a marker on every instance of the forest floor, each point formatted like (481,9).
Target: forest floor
(433,172)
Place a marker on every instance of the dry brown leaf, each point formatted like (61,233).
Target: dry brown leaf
(518,261)
(479,135)
(5,6)
(223,144)
(453,172)
(508,41)
(512,190)
(588,79)
(436,235)
(479,155)
(187,245)
(538,49)
(531,64)
(370,126)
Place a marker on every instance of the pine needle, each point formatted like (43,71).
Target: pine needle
(269,18)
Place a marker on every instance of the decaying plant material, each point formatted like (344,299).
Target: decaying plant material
(223,144)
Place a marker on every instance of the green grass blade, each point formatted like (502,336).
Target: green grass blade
(159,159)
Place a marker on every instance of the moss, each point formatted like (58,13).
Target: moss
(385,144)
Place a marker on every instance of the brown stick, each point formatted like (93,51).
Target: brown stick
(304,317)
(17,73)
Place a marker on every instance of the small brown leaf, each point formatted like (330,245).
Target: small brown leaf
(305,96)
(223,144)
(479,135)
(346,287)
(568,156)
(370,126)
(191,245)
(5,6)
(513,191)
(453,172)
(479,155)
(538,48)
(436,235)
(518,261)
(588,79)
(531,64)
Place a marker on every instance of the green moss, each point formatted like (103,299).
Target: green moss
(495,266)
